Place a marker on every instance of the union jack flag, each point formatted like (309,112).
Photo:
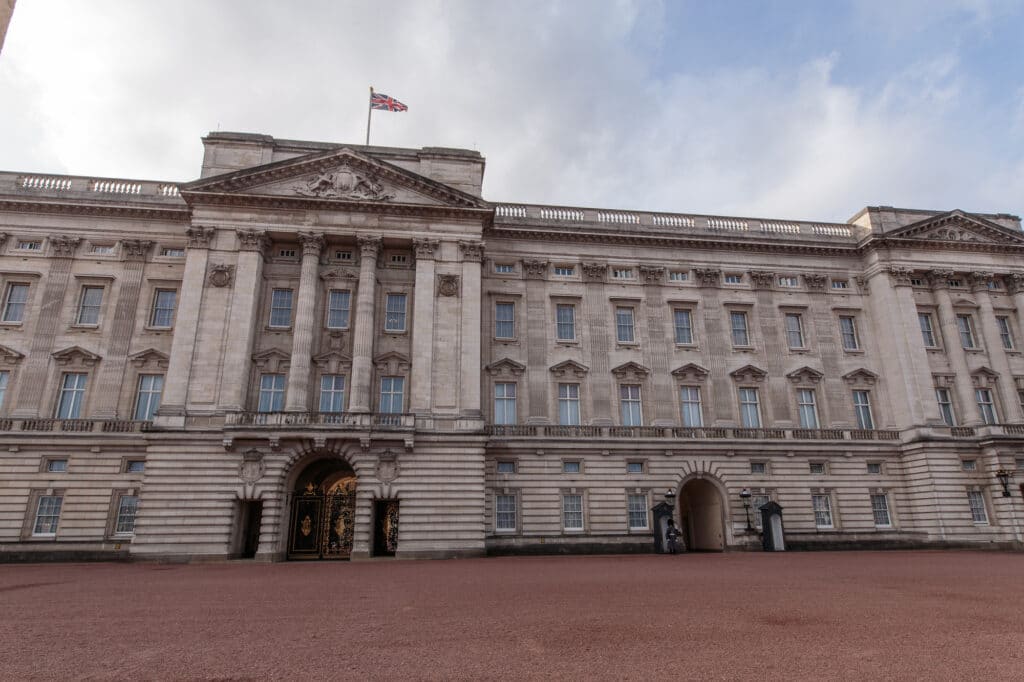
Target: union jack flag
(378,100)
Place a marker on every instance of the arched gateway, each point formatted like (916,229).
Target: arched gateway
(701,516)
(323,511)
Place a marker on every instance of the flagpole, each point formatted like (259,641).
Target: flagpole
(369,113)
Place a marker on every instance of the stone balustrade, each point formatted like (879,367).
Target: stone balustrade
(65,185)
(330,420)
(74,425)
(687,433)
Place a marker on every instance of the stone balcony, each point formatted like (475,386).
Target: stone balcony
(688,433)
(321,420)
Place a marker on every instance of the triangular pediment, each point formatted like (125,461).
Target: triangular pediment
(690,372)
(630,371)
(9,355)
(272,360)
(505,366)
(392,363)
(569,368)
(150,355)
(76,355)
(959,227)
(337,175)
(860,377)
(748,373)
(805,375)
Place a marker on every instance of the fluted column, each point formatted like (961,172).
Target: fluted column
(423,327)
(1011,411)
(243,319)
(472,255)
(186,325)
(362,339)
(297,399)
(969,413)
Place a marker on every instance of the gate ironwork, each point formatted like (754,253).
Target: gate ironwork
(323,522)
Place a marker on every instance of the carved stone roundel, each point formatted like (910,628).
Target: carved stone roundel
(448,285)
(221,275)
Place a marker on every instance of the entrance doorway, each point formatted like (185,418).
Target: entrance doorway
(385,527)
(250,515)
(700,515)
(323,512)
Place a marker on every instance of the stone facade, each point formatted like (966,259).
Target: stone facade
(186,369)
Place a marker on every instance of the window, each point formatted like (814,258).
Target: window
(504,320)
(734,279)
(874,467)
(26,245)
(758,468)
(164,301)
(172,252)
(684,326)
(271,393)
(956,283)
(807,408)
(822,510)
(629,404)
(634,467)
(678,276)
(127,507)
(979,514)
(343,255)
(14,302)
(927,330)
(147,399)
(3,382)
(862,410)
(623,273)
(565,322)
(916,282)
(636,506)
(505,513)
(332,393)
(738,323)
(504,268)
(789,282)
(5,376)
(135,466)
(840,284)
(756,502)
(750,412)
(339,307)
(505,403)
(47,515)
(392,395)
(945,401)
(965,326)
(848,332)
(102,249)
(817,468)
(569,404)
(986,406)
(286,253)
(880,510)
(394,317)
(794,331)
(564,271)
(570,467)
(689,400)
(72,393)
(506,467)
(399,258)
(572,512)
(969,465)
(624,330)
(1005,333)
(281,308)
(56,466)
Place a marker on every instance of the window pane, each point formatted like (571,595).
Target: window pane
(684,327)
(505,512)
(281,308)
(689,399)
(4,378)
(126,510)
(271,393)
(848,331)
(89,305)
(966,328)
(738,322)
(880,510)
(72,393)
(862,409)
(505,403)
(147,402)
(822,511)
(394,318)
(163,307)
(569,404)
(927,331)
(629,401)
(807,408)
(339,305)
(505,320)
(624,325)
(565,322)
(572,512)
(750,416)
(332,393)
(794,331)
(14,305)
(985,405)
(47,515)
(977,501)
(1005,335)
(637,510)
(945,406)
(392,395)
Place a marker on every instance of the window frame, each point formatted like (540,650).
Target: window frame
(852,334)
(634,403)
(504,401)
(966,331)
(274,320)
(274,394)
(827,509)
(393,379)
(149,396)
(155,309)
(801,404)
(37,501)
(390,323)
(76,392)
(118,498)
(332,392)
(756,403)
(6,317)
(1005,332)
(687,314)
(885,507)
(498,322)
(631,497)
(735,315)
(925,319)
(987,407)
(331,310)
(95,309)
(946,409)
(582,511)
(863,424)
(569,325)
(684,402)
(625,325)
(976,501)
(572,403)
(799,331)
(498,529)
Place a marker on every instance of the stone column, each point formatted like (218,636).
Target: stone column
(969,413)
(538,325)
(243,319)
(362,340)
(720,407)
(1011,411)
(663,411)
(186,325)
(1015,284)
(423,328)
(472,255)
(297,398)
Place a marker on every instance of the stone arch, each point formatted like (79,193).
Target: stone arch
(702,508)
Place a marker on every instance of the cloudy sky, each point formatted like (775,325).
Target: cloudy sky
(764,108)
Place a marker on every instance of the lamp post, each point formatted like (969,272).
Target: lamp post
(670,497)
(745,496)
(1004,477)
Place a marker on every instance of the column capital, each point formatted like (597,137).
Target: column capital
(899,275)
(472,251)
(652,274)
(979,280)
(312,243)
(136,249)
(252,240)
(199,237)
(64,247)
(762,279)
(1014,282)
(708,277)
(815,281)
(939,279)
(535,269)
(424,248)
(369,245)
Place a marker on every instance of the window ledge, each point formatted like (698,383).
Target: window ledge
(567,342)
(799,351)
(11,324)
(85,327)
(269,328)
(151,328)
(854,351)
(744,349)
(974,350)
(627,344)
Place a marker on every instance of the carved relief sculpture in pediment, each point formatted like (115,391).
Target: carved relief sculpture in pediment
(535,269)
(805,375)
(505,367)
(748,374)
(984,377)
(570,369)
(952,234)
(333,362)
(630,372)
(594,272)
(392,363)
(220,275)
(690,373)
(344,183)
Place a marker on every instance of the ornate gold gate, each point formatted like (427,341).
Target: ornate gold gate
(323,521)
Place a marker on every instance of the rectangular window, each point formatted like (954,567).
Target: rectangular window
(684,326)
(506,467)
(678,276)
(127,507)
(72,394)
(689,400)
(564,271)
(840,284)
(623,273)
(281,308)
(807,408)
(1020,395)
(147,399)
(504,268)
(979,514)
(286,253)
(399,258)
(135,466)
(339,307)
(634,467)
(1005,331)
(569,404)
(394,318)
(565,322)
(794,331)
(986,406)
(392,395)
(504,320)
(56,466)
(271,393)
(102,249)
(30,246)
(172,252)
(5,376)
(14,302)
(164,301)
(572,512)
(629,403)
(343,255)
(862,410)
(822,510)
(927,330)
(816,468)
(571,467)
(47,515)
(734,279)
(505,513)
(880,510)
(505,403)
(750,410)
(969,465)
(624,329)
(637,510)
(789,282)
(738,323)
(945,400)
(965,326)
(874,467)
(332,393)
(848,332)
(758,468)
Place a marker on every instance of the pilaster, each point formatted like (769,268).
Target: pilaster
(968,413)
(362,339)
(423,328)
(297,398)
(243,319)
(1011,410)
(472,256)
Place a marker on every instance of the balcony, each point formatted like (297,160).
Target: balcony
(341,421)
(687,433)
(74,425)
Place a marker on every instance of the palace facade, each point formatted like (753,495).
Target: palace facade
(329,351)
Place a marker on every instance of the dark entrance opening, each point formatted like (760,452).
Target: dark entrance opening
(250,515)
(700,516)
(323,512)
(385,527)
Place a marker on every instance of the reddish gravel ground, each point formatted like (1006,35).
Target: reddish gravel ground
(854,615)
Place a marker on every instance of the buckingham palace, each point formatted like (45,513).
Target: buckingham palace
(328,351)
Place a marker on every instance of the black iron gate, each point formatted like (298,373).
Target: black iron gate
(322,524)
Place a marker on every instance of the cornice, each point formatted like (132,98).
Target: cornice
(926,245)
(181,214)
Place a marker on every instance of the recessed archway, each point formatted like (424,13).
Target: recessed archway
(322,511)
(701,512)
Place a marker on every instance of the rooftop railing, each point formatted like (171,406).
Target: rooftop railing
(74,425)
(686,432)
(59,185)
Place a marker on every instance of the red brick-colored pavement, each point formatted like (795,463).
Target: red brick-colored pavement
(937,615)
